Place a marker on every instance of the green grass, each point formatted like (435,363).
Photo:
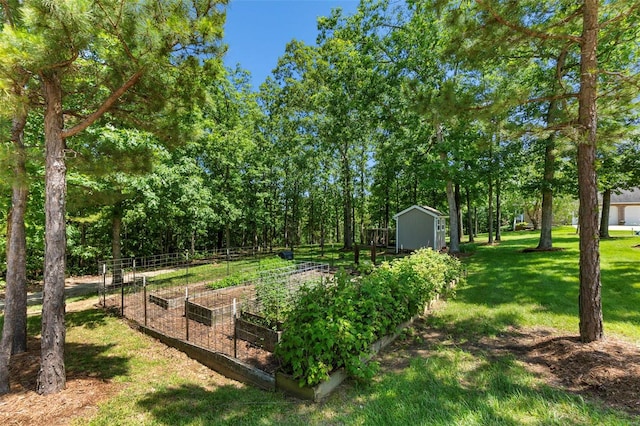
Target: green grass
(211,272)
(441,383)
(508,287)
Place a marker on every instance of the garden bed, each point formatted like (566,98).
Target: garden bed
(252,328)
(317,393)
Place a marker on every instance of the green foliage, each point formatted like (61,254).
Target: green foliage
(468,248)
(333,326)
(365,267)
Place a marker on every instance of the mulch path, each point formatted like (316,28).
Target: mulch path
(607,370)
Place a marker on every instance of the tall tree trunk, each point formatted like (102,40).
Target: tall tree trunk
(348,202)
(604,216)
(454,238)
(14,330)
(387,215)
(459,213)
(454,235)
(116,243)
(285,226)
(348,241)
(469,216)
(52,376)
(546,222)
(498,212)
(590,300)
(490,211)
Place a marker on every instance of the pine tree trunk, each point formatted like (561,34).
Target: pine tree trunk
(52,376)
(14,330)
(490,211)
(604,217)
(348,201)
(116,243)
(459,212)
(590,301)
(454,235)
(469,216)
(454,246)
(498,212)
(546,223)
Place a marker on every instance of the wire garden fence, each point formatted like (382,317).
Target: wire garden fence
(240,321)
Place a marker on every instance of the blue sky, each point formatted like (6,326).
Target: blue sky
(257,31)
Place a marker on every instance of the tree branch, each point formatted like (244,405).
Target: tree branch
(104,107)
(628,12)
(7,12)
(525,30)
(527,101)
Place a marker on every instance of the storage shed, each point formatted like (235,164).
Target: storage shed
(419,227)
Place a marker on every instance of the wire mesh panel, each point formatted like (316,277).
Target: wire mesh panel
(208,317)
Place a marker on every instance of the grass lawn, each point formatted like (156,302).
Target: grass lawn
(508,287)
(423,381)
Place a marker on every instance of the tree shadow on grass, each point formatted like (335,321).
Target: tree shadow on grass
(442,389)
(90,318)
(81,361)
(474,327)
(90,360)
(193,404)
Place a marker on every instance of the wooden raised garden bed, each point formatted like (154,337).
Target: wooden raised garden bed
(250,328)
(166,302)
(206,315)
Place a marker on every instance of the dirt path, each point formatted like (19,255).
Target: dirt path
(74,286)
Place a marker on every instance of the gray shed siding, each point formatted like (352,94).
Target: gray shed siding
(415,230)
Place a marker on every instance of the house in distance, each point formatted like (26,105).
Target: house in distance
(420,227)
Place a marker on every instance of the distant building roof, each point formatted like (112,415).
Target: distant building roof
(631,196)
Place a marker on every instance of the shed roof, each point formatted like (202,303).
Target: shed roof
(425,209)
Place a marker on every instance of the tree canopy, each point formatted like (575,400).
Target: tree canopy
(487,110)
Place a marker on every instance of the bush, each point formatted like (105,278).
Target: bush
(334,326)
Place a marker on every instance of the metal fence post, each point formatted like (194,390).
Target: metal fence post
(104,285)
(122,298)
(235,334)
(186,311)
(186,276)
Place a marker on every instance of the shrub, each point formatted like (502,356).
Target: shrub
(333,326)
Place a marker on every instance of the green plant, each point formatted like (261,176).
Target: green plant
(365,267)
(274,298)
(334,326)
